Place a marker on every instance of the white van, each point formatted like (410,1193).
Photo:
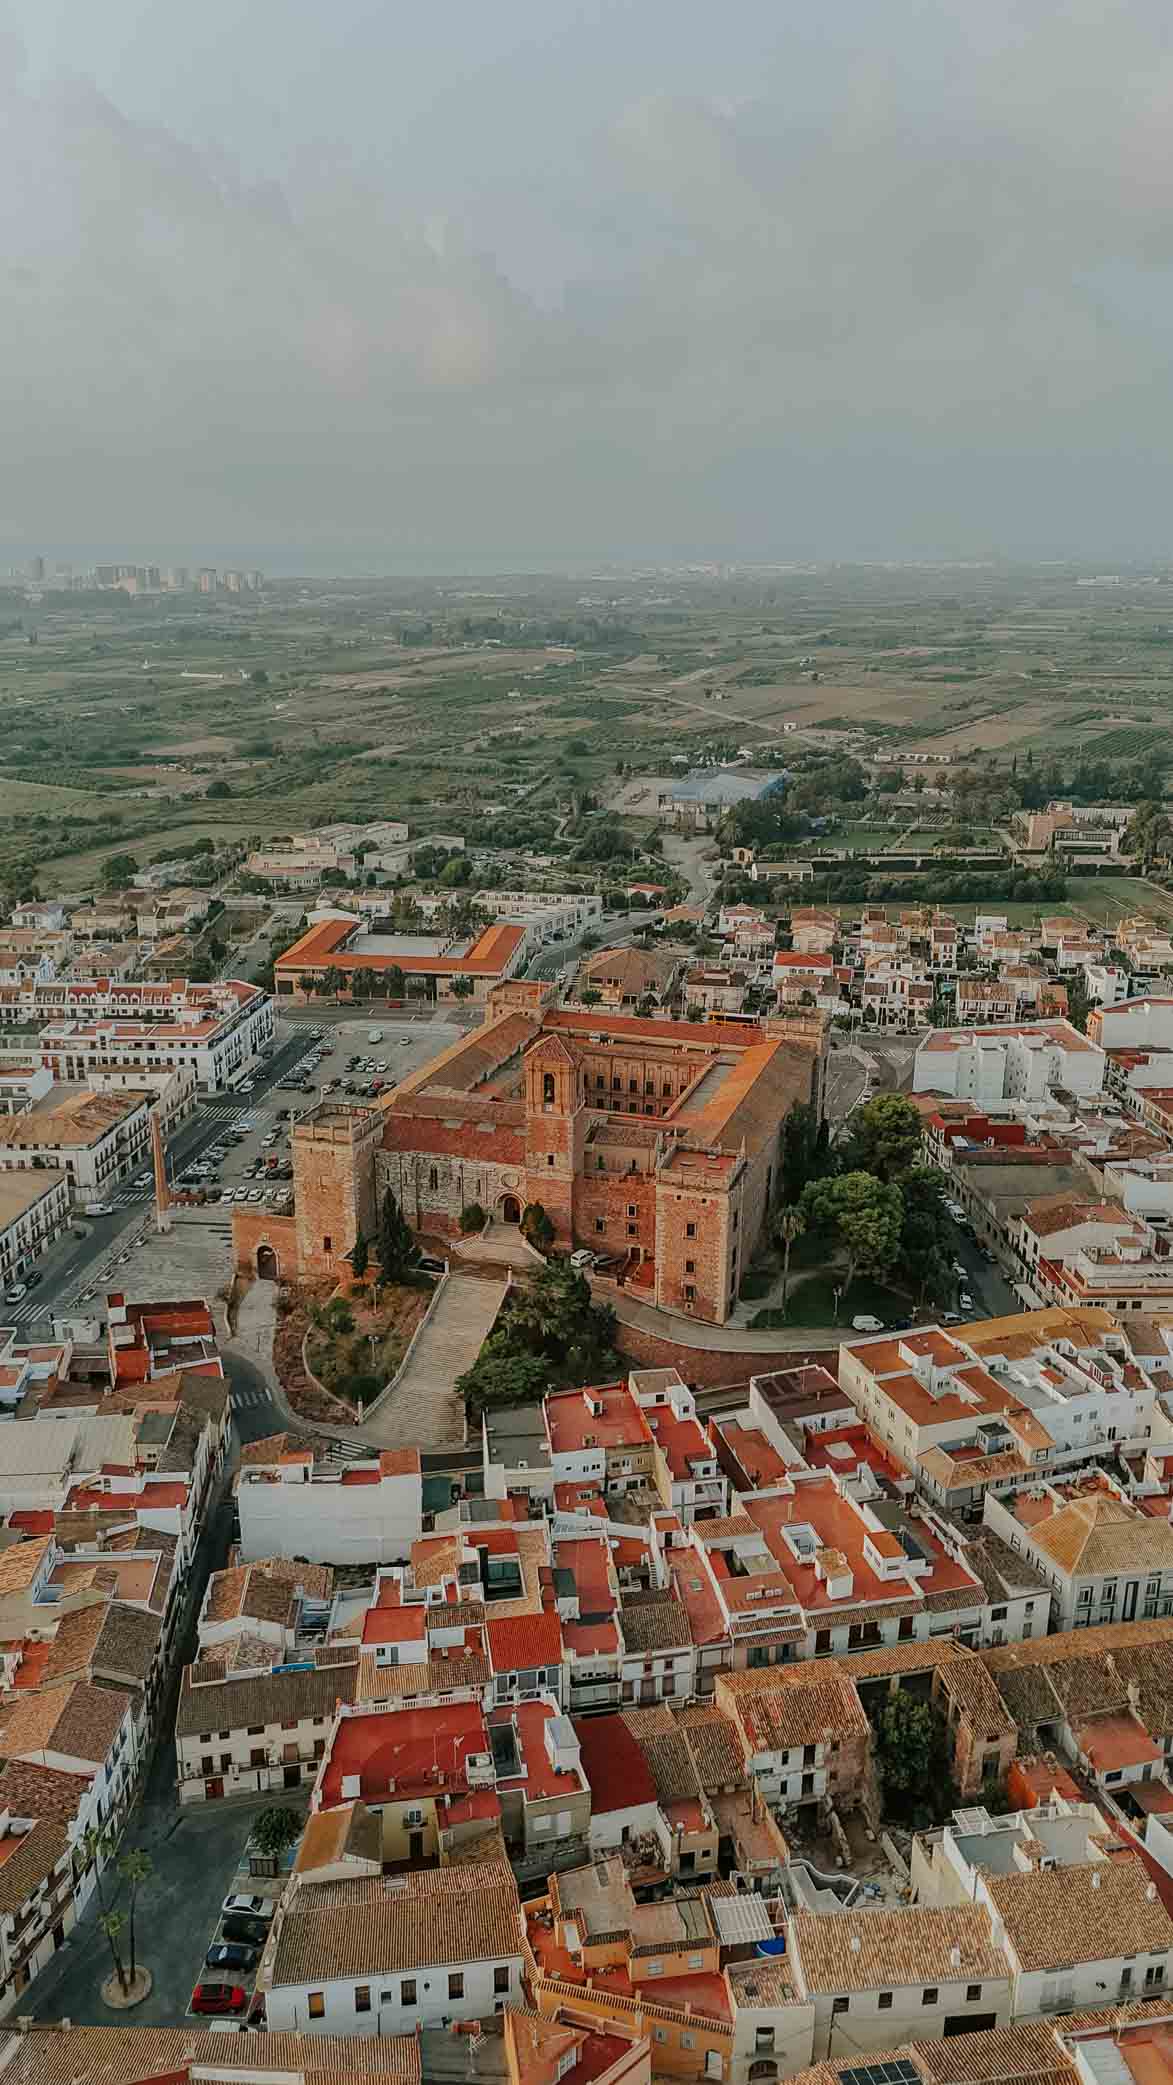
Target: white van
(98,1209)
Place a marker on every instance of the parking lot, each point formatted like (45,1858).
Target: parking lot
(224,1972)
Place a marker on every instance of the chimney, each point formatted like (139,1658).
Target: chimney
(955,1957)
(855,1943)
(1151,1893)
(1095,1878)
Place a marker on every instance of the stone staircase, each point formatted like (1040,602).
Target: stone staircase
(423,1410)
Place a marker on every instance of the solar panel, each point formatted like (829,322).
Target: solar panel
(896,2071)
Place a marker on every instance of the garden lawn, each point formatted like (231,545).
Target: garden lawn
(813,1303)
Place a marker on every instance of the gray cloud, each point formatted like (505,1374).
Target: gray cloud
(903,288)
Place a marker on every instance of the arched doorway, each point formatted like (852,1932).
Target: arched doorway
(268,1268)
(511,1210)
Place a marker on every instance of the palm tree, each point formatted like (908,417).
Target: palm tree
(111,1923)
(790,1225)
(93,1846)
(135,1868)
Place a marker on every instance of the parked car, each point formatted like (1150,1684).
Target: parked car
(219,1998)
(960,1271)
(252,1930)
(965,1301)
(864,1323)
(16,1294)
(241,1905)
(582,1258)
(33,1278)
(98,1209)
(231,1954)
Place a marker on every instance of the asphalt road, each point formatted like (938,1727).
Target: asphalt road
(73,1265)
(194,1855)
(613,930)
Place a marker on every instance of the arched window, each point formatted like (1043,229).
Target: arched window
(548,1087)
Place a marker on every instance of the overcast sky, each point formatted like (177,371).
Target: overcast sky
(500,284)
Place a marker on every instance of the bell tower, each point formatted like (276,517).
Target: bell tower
(555,1130)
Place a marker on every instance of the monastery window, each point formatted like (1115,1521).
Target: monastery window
(549,1158)
(689,1292)
(633,1211)
(616,1085)
(690,1230)
(433,1176)
(666,1089)
(690,1266)
(327,1244)
(548,1087)
(600,1226)
(599,1079)
(649,1085)
(633,1230)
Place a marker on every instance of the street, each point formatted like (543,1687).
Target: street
(193,1852)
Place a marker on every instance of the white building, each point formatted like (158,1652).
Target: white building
(877,1978)
(363,1513)
(1023,1062)
(95,1139)
(1078,1937)
(1105,1559)
(391,1955)
(549,915)
(219,1038)
(34,1209)
(247,1730)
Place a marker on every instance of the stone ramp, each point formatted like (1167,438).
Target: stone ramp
(423,1410)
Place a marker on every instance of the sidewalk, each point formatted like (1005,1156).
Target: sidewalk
(722,1339)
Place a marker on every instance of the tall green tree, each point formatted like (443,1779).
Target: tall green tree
(790,1226)
(136,1868)
(359,1256)
(112,1924)
(884,1137)
(926,1236)
(859,1215)
(398,1251)
(804,1150)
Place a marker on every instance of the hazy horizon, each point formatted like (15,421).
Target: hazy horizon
(376,290)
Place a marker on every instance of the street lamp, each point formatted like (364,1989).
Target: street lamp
(836,1293)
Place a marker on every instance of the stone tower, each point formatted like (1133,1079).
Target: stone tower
(555,1130)
(334,1182)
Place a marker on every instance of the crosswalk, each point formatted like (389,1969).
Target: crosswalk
(247,1400)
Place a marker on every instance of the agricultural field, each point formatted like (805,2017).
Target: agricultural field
(505,708)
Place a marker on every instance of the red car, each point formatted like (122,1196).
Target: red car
(219,1998)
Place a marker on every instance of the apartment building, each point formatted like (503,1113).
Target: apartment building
(813,931)
(1002,1401)
(375,1955)
(1023,1062)
(218,1032)
(34,1210)
(876,1977)
(1105,1559)
(250,1731)
(95,1139)
(292,1502)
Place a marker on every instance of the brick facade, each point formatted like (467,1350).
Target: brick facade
(334,1173)
(265,1244)
(654,1143)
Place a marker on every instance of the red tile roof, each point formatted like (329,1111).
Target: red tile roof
(613,1764)
(519,1643)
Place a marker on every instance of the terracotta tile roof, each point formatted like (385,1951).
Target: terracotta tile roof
(428,1679)
(278,1697)
(523,1642)
(28,1789)
(79,1720)
(794,1706)
(19,1564)
(1060,1916)
(29,1860)
(911,1946)
(1100,1534)
(351,1831)
(127,2055)
(424,1919)
(654,1621)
